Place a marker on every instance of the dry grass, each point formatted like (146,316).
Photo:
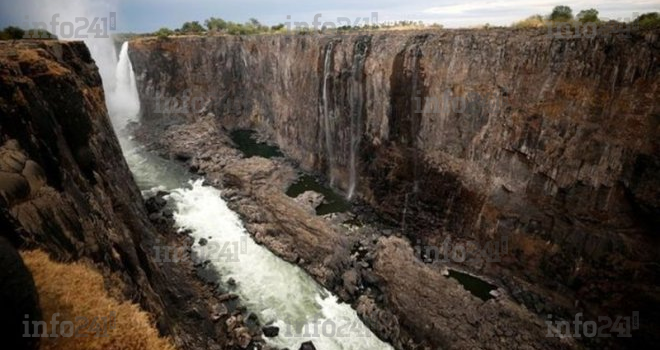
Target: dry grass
(76,290)
(535,21)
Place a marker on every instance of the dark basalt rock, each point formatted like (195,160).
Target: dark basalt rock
(271,331)
(155,204)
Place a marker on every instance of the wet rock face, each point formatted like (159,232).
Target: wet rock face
(66,188)
(472,134)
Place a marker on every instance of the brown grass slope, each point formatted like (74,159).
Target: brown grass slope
(76,290)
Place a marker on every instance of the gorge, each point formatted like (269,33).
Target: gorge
(542,152)
(554,148)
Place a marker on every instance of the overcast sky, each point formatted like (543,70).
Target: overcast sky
(149,15)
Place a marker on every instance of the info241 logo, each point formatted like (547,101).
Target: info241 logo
(578,328)
(98,27)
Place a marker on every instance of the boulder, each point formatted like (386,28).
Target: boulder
(310,200)
(271,331)
(308,345)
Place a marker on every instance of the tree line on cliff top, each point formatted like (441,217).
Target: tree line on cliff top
(560,14)
(218,26)
(564,15)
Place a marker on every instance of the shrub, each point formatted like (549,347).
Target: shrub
(590,15)
(163,33)
(12,33)
(561,13)
(277,27)
(76,290)
(648,20)
(535,21)
(216,24)
(192,27)
(15,33)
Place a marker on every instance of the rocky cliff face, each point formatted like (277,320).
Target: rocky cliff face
(463,133)
(66,188)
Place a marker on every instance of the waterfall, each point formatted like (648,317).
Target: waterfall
(326,112)
(416,52)
(123,101)
(414,110)
(359,55)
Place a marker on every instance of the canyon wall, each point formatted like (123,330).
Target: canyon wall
(472,134)
(66,189)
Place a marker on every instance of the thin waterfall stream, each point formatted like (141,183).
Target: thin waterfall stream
(327,117)
(357,90)
(280,293)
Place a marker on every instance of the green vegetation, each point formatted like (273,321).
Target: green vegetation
(191,28)
(277,28)
(164,32)
(535,21)
(561,13)
(590,15)
(12,33)
(648,20)
(16,33)
(215,24)
(250,27)
(219,26)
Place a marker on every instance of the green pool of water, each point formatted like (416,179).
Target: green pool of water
(478,287)
(246,142)
(333,202)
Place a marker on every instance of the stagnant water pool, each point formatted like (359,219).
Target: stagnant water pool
(333,202)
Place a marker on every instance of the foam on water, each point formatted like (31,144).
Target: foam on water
(279,292)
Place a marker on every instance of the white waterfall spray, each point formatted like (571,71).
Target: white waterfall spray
(118,80)
(54,15)
(123,101)
(327,117)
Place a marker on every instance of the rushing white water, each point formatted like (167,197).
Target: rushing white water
(327,118)
(279,292)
